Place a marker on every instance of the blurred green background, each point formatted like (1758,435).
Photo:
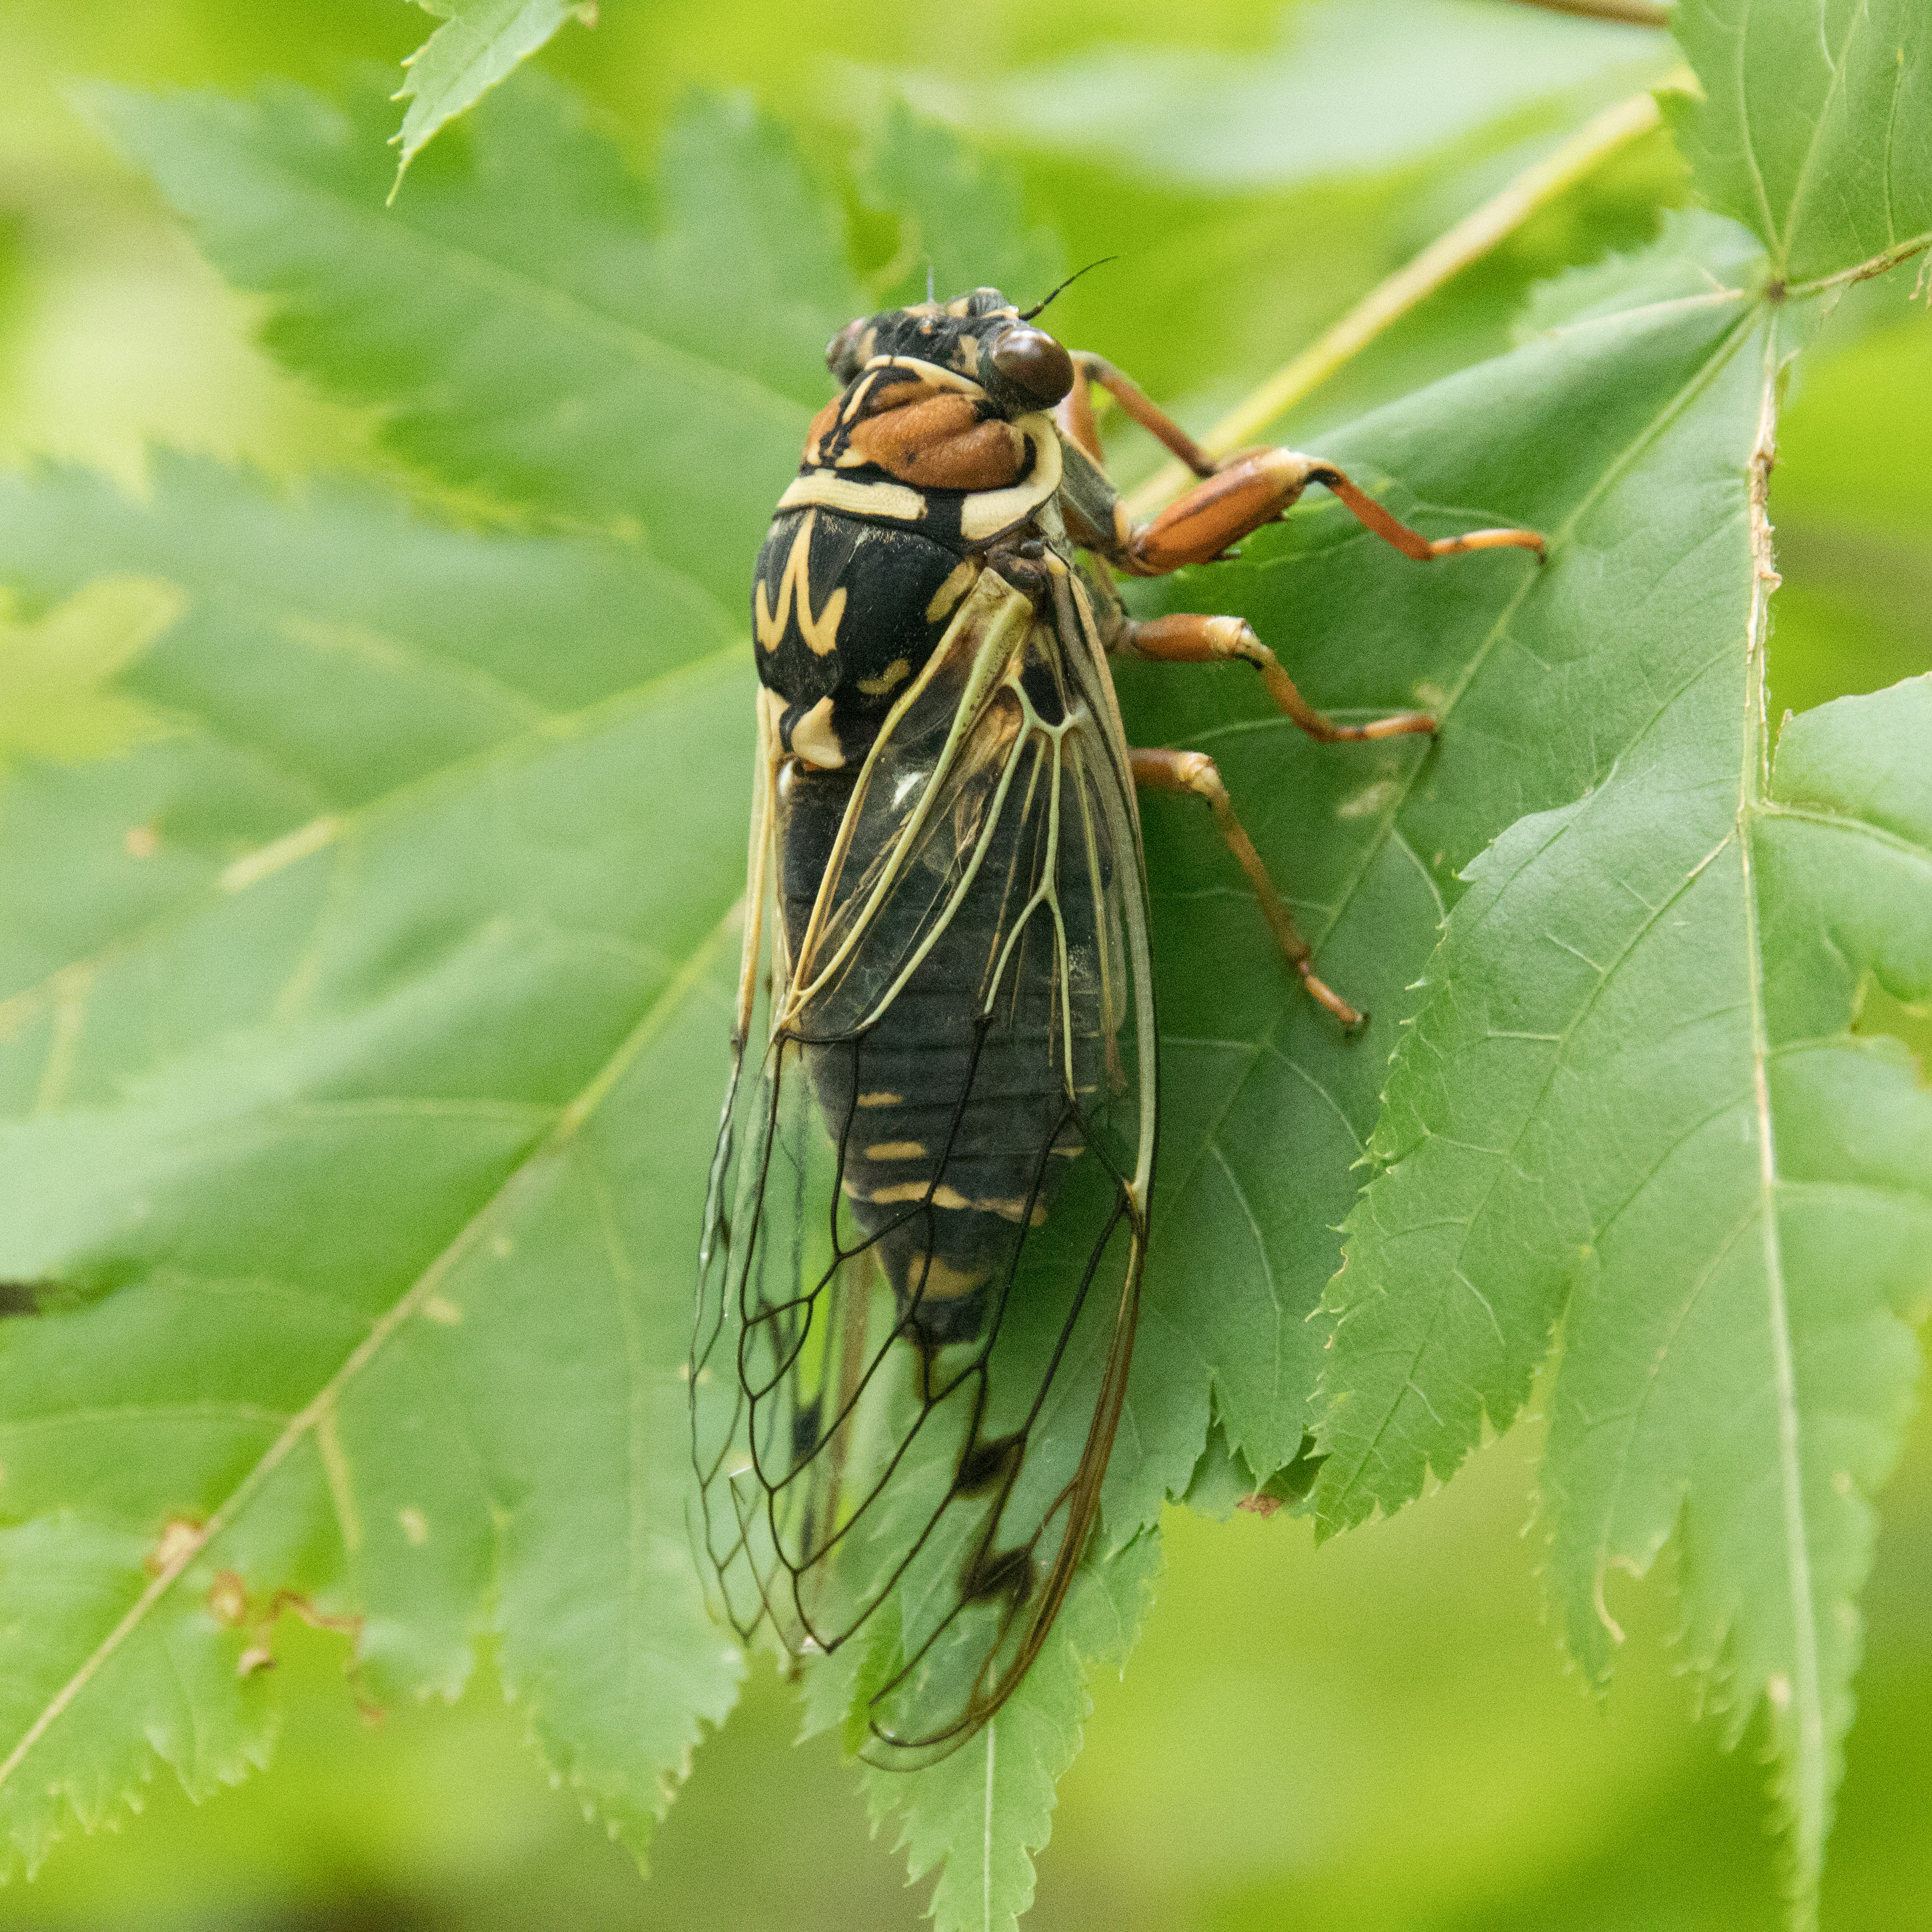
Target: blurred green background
(1382,1734)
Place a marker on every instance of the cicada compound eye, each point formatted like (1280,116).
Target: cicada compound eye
(1031,360)
(841,353)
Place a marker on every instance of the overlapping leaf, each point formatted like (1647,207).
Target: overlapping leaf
(1578,434)
(338,1152)
(1816,127)
(479,43)
(530,326)
(1630,1111)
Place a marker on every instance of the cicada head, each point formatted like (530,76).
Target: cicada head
(981,336)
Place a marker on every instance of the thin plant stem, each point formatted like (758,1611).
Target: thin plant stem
(1471,238)
(1630,13)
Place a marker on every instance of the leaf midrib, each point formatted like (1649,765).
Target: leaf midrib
(519,1179)
(1806,1693)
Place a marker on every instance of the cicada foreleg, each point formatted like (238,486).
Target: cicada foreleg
(1257,486)
(1075,414)
(1195,773)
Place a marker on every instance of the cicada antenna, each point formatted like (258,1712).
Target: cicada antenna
(1027,314)
(928,278)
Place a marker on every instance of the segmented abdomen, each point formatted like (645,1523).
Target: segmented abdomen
(951,1109)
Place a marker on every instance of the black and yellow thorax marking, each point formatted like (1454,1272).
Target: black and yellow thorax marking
(907,477)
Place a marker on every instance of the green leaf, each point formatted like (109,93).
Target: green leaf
(391,937)
(1266,1107)
(1630,1108)
(481,42)
(350,1159)
(960,214)
(1816,126)
(979,1816)
(1631,1111)
(53,702)
(529,331)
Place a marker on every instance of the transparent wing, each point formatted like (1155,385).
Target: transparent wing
(923,1247)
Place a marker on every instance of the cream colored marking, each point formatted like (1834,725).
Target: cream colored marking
(1068,1154)
(914,1190)
(895,672)
(228,1600)
(821,632)
(881,1098)
(892,500)
(931,372)
(969,353)
(277,853)
(896,1150)
(771,710)
(1015,1210)
(856,401)
(439,1308)
(415,1526)
(985,513)
(814,739)
(991,622)
(945,1282)
(949,593)
(944,1196)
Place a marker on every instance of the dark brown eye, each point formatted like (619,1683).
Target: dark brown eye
(841,353)
(1031,360)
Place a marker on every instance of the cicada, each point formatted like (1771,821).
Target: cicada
(928,1214)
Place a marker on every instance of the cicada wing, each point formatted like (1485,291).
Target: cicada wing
(940,1215)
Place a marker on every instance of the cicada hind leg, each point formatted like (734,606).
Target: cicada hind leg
(1235,498)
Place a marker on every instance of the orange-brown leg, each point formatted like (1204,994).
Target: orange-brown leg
(1074,412)
(1255,489)
(1146,412)
(1186,638)
(1195,772)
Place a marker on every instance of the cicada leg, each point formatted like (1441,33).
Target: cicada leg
(1075,414)
(1259,485)
(1188,638)
(1235,498)
(1195,773)
(1239,494)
